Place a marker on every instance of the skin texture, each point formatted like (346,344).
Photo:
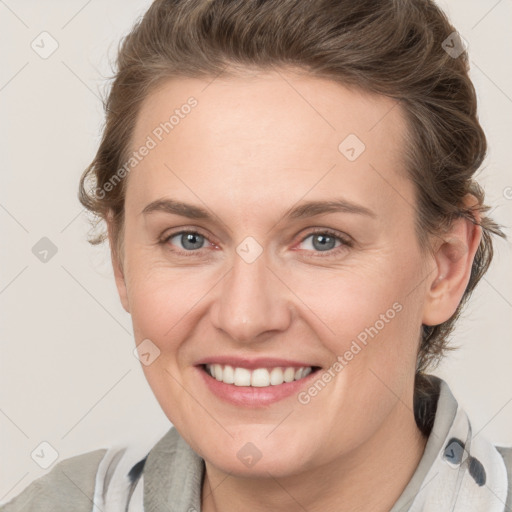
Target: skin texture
(254,147)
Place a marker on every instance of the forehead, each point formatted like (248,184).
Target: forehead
(283,130)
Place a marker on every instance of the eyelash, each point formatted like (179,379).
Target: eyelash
(346,242)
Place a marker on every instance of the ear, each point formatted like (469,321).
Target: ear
(117,265)
(453,259)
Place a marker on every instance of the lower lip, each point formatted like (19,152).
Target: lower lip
(250,396)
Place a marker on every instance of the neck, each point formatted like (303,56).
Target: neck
(372,477)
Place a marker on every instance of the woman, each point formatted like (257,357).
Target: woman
(294,227)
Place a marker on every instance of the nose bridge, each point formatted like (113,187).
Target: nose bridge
(252,301)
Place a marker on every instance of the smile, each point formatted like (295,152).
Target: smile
(258,377)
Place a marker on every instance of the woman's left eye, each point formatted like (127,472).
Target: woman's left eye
(326,242)
(320,242)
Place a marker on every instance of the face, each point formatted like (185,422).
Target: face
(271,228)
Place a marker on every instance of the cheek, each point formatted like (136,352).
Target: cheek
(370,322)
(357,303)
(165,303)
(162,308)
(158,301)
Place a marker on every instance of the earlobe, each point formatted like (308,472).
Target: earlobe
(117,266)
(454,255)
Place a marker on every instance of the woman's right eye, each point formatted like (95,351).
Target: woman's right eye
(190,241)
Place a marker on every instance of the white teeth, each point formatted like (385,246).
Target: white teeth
(258,378)
(289,374)
(306,371)
(228,375)
(242,377)
(276,376)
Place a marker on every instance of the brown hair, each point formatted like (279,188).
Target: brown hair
(389,47)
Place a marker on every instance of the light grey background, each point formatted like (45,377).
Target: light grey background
(68,373)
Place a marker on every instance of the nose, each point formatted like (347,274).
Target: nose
(253,303)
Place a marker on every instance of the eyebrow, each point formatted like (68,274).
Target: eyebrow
(302,211)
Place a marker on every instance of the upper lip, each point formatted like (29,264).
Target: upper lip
(252,364)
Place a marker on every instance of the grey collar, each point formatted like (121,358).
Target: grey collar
(445,414)
(173,476)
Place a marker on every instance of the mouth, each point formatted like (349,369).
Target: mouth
(257,387)
(257,377)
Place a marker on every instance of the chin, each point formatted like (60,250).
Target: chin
(255,456)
